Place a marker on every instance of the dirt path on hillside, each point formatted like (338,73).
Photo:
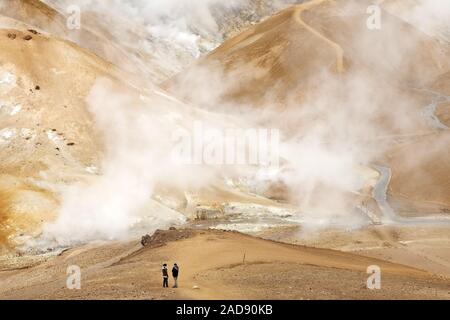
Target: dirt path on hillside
(390,216)
(337,48)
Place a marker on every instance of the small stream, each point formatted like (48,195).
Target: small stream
(389,215)
(249,222)
(429,110)
(381,188)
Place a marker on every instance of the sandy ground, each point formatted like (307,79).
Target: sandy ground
(213,266)
(443,112)
(422,178)
(425,247)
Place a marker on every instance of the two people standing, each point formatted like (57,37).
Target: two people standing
(165,274)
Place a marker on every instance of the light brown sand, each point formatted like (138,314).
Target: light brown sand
(214,262)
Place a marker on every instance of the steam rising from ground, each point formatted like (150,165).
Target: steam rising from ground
(135,155)
(331,141)
(166,34)
(137,134)
(429,16)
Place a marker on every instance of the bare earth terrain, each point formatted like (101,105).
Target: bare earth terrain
(96,108)
(213,267)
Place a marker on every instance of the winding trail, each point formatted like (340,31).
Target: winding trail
(380,190)
(299,9)
(429,110)
(389,215)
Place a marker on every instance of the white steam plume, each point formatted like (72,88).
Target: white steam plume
(137,143)
(163,36)
(333,136)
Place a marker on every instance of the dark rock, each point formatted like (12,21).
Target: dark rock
(12,36)
(146,240)
(33,31)
(71,144)
(37,88)
(27,38)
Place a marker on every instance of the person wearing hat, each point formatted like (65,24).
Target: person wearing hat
(165,274)
(175,270)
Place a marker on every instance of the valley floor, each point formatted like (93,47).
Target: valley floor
(216,265)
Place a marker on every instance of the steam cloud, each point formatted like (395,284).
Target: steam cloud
(326,149)
(166,34)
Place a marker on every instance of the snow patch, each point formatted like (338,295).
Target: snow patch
(53,136)
(15,109)
(244,227)
(7,78)
(57,72)
(27,133)
(6,135)
(92,169)
(11,109)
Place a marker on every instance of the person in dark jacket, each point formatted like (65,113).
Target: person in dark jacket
(165,274)
(175,270)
